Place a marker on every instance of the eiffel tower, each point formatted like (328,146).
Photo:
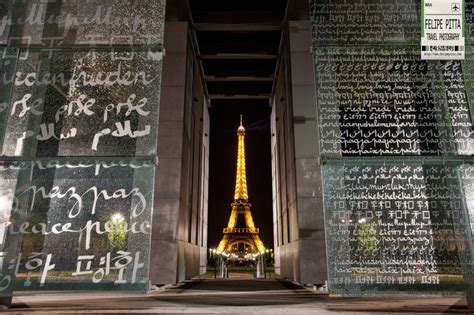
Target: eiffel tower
(241,236)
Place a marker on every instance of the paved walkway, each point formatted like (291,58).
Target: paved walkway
(240,275)
(234,296)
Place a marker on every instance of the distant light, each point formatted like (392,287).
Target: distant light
(118,217)
(363,220)
(5,204)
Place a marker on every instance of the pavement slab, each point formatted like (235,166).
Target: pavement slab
(232,296)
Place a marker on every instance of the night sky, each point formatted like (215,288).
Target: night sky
(225,117)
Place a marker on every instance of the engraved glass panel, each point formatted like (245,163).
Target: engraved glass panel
(365,22)
(469,6)
(8,180)
(80,224)
(399,219)
(62,23)
(5,13)
(8,60)
(83,103)
(465,226)
(79,102)
(468,76)
(394,225)
(386,101)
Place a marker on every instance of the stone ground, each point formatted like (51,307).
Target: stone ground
(234,296)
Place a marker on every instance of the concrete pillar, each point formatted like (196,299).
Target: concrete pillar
(179,228)
(312,247)
(165,225)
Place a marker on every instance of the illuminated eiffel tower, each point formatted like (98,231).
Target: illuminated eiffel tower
(241,236)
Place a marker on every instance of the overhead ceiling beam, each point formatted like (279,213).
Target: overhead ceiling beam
(239,79)
(290,6)
(222,21)
(236,17)
(257,27)
(238,97)
(239,56)
(226,102)
(195,47)
(238,6)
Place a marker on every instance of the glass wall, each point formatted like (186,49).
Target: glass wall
(79,104)
(396,143)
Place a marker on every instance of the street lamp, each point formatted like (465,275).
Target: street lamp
(118,217)
(212,256)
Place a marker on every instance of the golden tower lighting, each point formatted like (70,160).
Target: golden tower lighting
(235,235)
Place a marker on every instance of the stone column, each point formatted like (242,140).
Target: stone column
(164,244)
(312,247)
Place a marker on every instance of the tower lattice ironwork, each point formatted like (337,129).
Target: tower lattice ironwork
(241,236)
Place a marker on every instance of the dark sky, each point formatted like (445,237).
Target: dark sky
(225,117)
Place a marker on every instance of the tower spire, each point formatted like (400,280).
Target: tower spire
(241,236)
(241,176)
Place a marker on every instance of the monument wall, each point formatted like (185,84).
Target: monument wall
(396,140)
(79,109)
(179,238)
(297,189)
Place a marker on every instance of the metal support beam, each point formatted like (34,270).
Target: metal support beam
(254,17)
(238,79)
(208,27)
(195,47)
(240,56)
(288,12)
(238,97)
